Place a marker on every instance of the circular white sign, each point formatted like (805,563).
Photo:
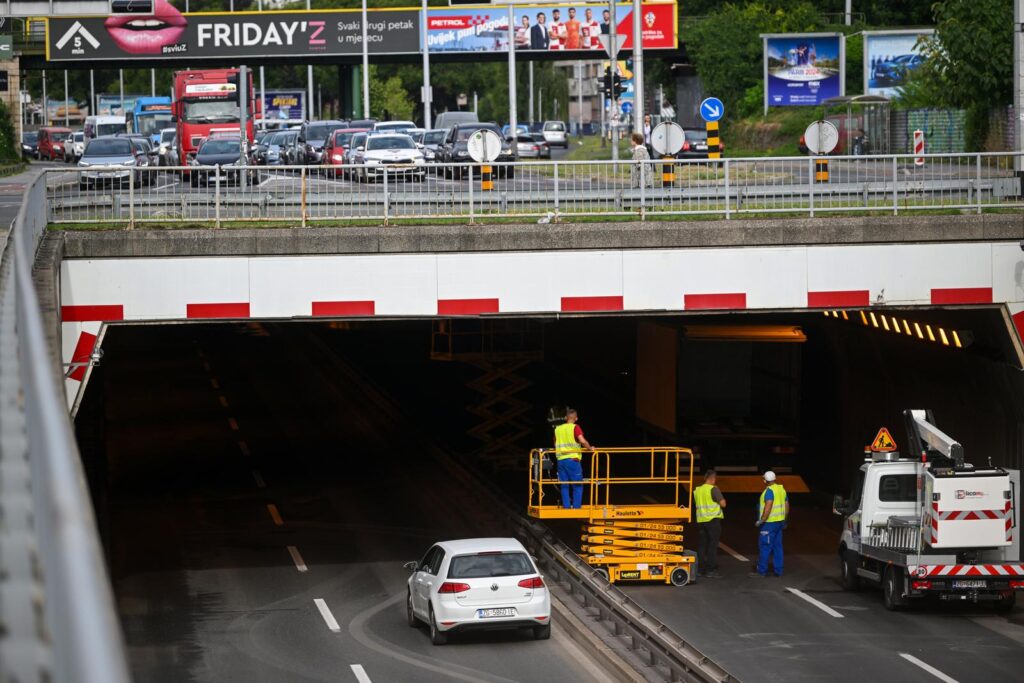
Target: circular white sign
(667,138)
(484,146)
(821,137)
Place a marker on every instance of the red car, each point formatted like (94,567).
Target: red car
(51,142)
(336,146)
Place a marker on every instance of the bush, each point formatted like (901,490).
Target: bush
(10,146)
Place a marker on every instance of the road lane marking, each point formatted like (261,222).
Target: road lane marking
(223,401)
(233,424)
(276,516)
(206,366)
(817,603)
(259,479)
(214,383)
(732,552)
(297,559)
(244,447)
(360,673)
(325,612)
(928,667)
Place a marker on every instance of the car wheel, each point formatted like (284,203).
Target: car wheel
(437,636)
(542,632)
(679,576)
(848,561)
(410,615)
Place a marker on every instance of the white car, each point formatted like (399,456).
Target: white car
(477,584)
(389,153)
(74,147)
(555,133)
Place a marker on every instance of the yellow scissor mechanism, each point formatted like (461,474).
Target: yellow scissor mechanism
(635,503)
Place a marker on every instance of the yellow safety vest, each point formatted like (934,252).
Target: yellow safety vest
(565,442)
(778,513)
(707,508)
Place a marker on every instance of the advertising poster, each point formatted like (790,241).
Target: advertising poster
(889,57)
(803,69)
(283,105)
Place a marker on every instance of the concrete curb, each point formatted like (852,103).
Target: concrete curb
(605,657)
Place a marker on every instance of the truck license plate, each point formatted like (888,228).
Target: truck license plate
(497,612)
(969,583)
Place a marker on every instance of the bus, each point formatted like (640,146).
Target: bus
(149,116)
(98,126)
(206,102)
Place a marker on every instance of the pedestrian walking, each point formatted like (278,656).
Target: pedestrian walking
(709,502)
(640,172)
(569,442)
(773,513)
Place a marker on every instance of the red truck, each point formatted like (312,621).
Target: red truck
(207,102)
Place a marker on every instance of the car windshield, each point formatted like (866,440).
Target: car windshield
(342,139)
(485,565)
(151,125)
(390,142)
(433,137)
(167,136)
(554,125)
(359,139)
(79,137)
(219,147)
(109,129)
(30,137)
(697,135)
(464,133)
(320,131)
(903,59)
(211,111)
(109,148)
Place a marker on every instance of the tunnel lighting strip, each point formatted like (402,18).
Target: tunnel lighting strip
(912,329)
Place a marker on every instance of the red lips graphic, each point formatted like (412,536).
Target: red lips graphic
(147,35)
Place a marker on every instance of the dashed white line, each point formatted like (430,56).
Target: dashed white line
(360,673)
(244,447)
(233,423)
(300,564)
(276,516)
(741,558)
(817,603)
(214,383)
(325,612)
(259,479)
(928,667)
(223,401)
(206,366)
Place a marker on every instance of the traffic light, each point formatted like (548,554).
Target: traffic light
(618,87)
(607,86)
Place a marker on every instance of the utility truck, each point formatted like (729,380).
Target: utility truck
(930,524)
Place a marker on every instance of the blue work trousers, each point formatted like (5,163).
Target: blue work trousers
(769,544)
(570,469)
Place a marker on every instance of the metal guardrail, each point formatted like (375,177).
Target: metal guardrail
(550,191)
(69,612)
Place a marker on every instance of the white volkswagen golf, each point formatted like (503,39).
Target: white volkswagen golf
(477,583)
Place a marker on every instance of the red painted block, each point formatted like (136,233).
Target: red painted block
(591,303)
(962,295)
(343,308)
(81,314)
(466,306)
(697,302)
(225,310)
(852,298)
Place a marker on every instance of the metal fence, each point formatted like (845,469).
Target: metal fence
(65,629)
(549,191)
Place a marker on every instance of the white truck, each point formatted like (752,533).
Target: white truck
(932,524)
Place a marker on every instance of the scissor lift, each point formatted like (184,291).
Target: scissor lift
(633,507)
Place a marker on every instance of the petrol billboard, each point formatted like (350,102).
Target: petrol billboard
(889,59)
(803,69)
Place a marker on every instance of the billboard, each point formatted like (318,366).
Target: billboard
(889,56)
(571,27)
(283,105)
(169,34)
(803,69)
(110,104)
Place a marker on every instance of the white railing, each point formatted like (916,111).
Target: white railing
(550,191)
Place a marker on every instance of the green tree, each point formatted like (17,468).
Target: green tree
(10,148)
(389,99)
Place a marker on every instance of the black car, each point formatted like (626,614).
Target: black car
(312,137)
(29,145)
(452,150)
(218,151)
(695,144)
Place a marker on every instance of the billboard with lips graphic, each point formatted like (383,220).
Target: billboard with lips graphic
(169,34)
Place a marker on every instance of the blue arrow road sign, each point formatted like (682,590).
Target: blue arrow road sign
(627,107)
(712,109)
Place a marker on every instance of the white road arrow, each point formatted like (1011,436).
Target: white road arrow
(712,111)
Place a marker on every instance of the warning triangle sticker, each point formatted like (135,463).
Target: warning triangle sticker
(883,442)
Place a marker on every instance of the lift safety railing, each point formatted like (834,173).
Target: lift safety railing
(69,629)
(617,477)
(541,191)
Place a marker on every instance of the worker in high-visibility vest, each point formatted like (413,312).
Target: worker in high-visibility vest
(774,511)
(569,442)
(708,502)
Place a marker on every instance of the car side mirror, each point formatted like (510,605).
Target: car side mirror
(360,149)
(411,566)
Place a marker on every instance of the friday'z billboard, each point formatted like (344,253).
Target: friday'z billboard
(803,69)
(171,34)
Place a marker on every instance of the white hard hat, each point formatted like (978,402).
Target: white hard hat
(769,476)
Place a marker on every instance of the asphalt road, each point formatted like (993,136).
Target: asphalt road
(253,494)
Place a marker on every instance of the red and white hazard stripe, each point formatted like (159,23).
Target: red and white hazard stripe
(937,515)
(919,147)
(966,570)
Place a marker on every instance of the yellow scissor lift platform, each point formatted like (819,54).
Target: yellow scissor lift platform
(624,538)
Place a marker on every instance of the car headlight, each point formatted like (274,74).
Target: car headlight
(372,162)
(336,157)
(461,155)
(83,164)
(130,162)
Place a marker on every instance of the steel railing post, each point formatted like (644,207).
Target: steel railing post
(131,199)
(216,195)
(977,185)
(895,192)
(387,206)
(302,196)
(556,190)
(728,212)
(810,185)
(471,208)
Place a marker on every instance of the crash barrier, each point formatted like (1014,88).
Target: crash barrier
(544,191)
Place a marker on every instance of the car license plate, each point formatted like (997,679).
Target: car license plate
(969,583)
(702,148)
(496,612)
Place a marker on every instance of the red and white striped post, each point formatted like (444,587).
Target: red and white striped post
(919,147)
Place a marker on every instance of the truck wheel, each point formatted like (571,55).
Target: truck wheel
(892,586)
(679,577)
(848,563)
(1006,604)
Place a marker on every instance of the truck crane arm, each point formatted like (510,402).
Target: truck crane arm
(924,435)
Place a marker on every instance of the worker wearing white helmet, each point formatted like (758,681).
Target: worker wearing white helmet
(774,510)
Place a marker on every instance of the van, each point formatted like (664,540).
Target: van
(449,118)
(98,126)
(51,142)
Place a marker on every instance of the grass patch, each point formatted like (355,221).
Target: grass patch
(775,135)
(590,149)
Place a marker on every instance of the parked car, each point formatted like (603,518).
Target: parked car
(312,137)
(555,132)
(112,152)
(533,146)
(431,139)
(848,126)
(695,144)
(477,584)
(337,144)
(29,145)
(389,154)
(74,145)
(453,150)
(167,150)
(216,152)
(521,129)
(50,145)
(280,147)
(293,152)
(358,141)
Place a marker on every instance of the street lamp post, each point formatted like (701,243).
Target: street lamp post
(428,96)
(366,67)
(638,69)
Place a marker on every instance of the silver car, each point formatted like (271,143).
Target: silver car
(119,153)
(168,149)
(555,133)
